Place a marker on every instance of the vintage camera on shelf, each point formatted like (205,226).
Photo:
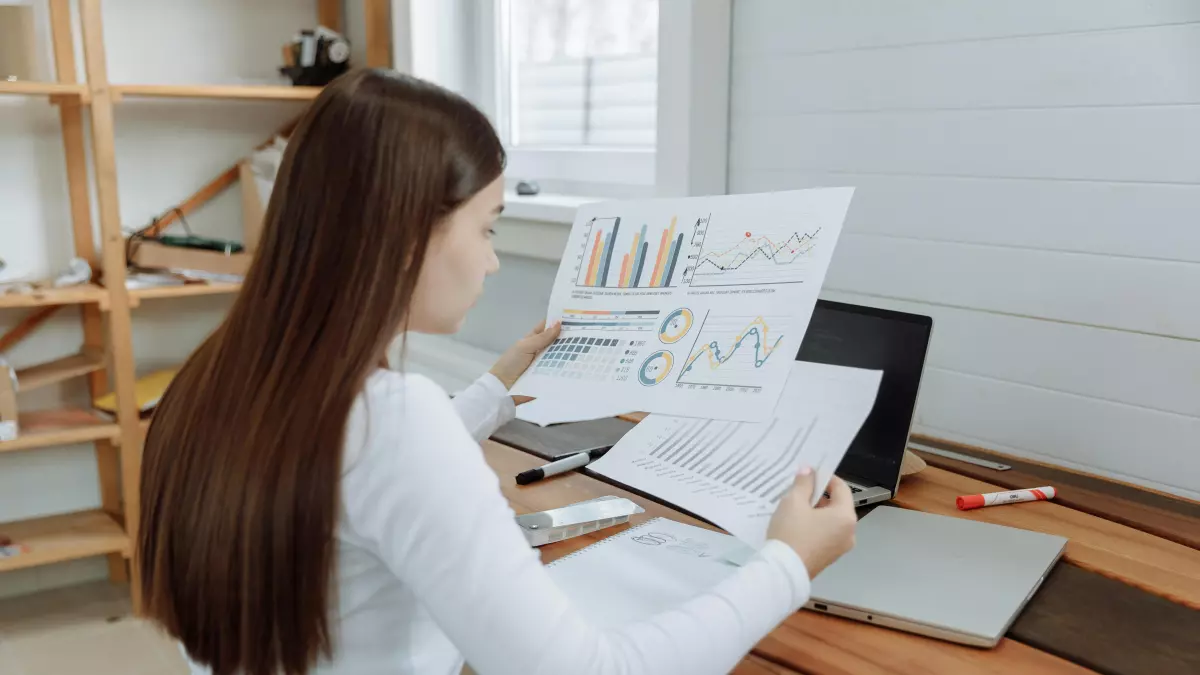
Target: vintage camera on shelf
(314,57)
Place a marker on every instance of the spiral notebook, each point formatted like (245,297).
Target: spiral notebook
(644,570)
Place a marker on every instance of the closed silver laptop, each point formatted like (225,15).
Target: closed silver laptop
(949,578)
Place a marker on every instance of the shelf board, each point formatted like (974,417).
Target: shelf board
(187,290)
(219,91)
(64,537)
(45,428)
(75,365)
(24,88)
(71,295)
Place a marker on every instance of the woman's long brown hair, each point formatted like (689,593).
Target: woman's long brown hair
(243,458)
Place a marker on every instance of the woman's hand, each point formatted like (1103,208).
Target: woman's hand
(818,535)
(513,362)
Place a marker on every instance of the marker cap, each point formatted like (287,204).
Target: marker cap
(968,502)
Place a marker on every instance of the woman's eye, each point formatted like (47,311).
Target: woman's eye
(491,232)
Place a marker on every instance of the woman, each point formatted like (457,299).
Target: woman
(306,510)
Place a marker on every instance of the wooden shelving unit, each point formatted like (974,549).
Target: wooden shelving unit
(136,296)
(73,295)
(75,365)
(233,92)
(47,428)
(43,89)
(107,351)
(65,537)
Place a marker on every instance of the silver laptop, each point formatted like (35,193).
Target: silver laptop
(842,334)
(949,578)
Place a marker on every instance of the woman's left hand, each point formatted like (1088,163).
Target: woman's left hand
(512,363)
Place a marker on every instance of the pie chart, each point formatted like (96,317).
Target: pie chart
(655,368)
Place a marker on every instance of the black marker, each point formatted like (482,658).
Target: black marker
(560,466)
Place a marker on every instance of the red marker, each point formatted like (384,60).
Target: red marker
(968,502)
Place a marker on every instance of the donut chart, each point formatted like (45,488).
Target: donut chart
(655,368)
(675,326)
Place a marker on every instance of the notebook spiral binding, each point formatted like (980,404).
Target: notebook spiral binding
(604,541)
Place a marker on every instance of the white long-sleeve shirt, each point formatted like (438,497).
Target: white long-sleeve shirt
(432,567)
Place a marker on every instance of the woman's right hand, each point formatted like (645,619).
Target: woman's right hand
(819,535)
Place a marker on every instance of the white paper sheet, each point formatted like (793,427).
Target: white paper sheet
(633,575)
(546,411)
(735,473)
(692,307)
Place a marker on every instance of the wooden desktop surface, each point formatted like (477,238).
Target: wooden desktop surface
(1124,600)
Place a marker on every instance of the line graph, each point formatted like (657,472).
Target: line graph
(728,255)
(731,350)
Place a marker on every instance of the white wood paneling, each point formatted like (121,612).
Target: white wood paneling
(1148,371)
(773,26)
(1148,296)
(1079,428)
(1093,469)
(1038,71)
(1026,174)
(1141,144)
(1123,219)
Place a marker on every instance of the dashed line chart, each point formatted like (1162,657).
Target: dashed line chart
(777,253)
(730,351)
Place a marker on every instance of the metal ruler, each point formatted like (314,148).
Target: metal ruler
(948,454)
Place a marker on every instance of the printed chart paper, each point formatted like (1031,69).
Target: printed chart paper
(547,411)
(693,307)
(645,570)
(735,473)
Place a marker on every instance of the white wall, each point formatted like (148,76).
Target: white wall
(1027,174)
(165,151)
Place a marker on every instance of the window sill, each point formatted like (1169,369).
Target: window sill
(544,208)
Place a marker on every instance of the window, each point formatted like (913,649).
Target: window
(582,73)
(576,90)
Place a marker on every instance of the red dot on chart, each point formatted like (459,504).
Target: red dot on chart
(747,234)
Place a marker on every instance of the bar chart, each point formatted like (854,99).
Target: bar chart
(632,320)
(745,462)
(732,472)
(617,255)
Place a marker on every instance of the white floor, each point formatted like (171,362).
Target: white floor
(81,629)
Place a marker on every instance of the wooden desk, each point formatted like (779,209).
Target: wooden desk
(1119,604)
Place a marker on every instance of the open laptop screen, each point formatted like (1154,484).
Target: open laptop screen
(894,342)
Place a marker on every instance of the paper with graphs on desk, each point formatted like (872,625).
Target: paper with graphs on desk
(547,411)
(735,473)
(645,570)
(692,307)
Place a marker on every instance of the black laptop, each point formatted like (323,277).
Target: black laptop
(841,334)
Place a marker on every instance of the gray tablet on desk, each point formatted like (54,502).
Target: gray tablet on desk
(950,578)
(560,440)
